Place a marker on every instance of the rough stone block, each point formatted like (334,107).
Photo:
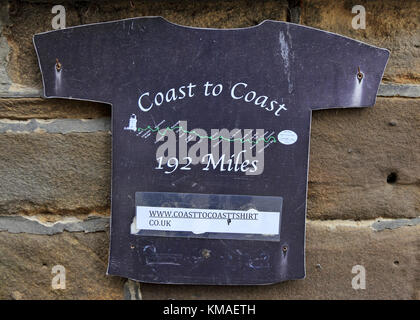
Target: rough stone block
(365,162)
(27,260)
(332,249)
(55,173)
(389,24)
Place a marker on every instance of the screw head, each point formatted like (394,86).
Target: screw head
(57,65)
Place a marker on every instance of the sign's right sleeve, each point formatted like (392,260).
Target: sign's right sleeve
(335,71)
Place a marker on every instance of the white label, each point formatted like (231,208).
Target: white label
(207,220)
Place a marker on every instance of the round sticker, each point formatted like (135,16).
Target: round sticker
(287,137)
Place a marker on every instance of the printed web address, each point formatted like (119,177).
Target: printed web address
(193,214)
(205,220)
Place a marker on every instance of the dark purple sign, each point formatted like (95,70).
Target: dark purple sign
(210,138)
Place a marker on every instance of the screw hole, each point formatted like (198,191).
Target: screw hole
(284,249)
(392,178)
(57,65)
(396,262)
(132,246)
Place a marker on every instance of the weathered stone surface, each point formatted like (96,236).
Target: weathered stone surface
(332,249)
(26,263)
(17,109)
(354,155)
(390,24)
(26,18)
(390,258)
(59,173)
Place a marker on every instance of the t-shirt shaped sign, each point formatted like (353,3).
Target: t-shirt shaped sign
(210,138)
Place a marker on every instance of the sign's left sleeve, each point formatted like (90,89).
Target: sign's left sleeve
(76,63)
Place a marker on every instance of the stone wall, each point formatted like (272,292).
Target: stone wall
(364,179)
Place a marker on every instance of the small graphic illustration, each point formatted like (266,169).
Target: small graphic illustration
(285,137)
(132,124)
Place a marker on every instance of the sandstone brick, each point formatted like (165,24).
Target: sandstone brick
(32,108)
(390,24)
(352,154)
(60,173)
(26,263)
(332,249)
(390,258)
(354,151)
(28,18)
